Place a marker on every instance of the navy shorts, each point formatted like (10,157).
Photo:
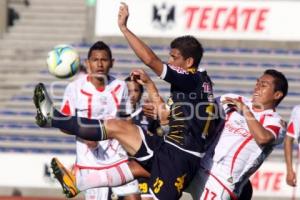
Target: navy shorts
(171,169)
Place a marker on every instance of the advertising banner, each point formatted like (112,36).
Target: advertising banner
(246,20)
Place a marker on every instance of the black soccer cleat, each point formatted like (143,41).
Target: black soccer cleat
(44,106)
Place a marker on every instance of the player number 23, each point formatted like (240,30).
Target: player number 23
(157,185)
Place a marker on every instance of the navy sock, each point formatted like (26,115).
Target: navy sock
(88,129)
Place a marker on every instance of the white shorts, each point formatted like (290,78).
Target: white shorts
(127,189)
(120,191)
(96,194)
(206,185)
(102,193)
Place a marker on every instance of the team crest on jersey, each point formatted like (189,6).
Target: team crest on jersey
(103,100)
(192,70)
(163,16)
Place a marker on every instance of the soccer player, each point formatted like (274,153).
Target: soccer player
(190,85)
(174,159)
(252,128)
(96,95)
(293,132)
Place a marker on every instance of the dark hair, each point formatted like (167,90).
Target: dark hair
(128,79)
(99,45)
(280,82)
(188,46)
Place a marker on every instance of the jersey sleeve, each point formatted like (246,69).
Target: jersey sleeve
(68,103)
(272,123)
(294,123)
(180,78)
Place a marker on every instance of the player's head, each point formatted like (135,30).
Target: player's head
(135,91)
(99,59)
(280,82)
(270,89)
(100,46)
(186,52)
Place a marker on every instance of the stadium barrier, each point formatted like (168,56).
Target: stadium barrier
(268,181)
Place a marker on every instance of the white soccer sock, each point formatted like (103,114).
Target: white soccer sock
(114,176)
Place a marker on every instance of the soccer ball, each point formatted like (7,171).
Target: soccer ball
(63,61)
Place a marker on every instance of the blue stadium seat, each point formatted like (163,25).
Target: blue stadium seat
(245,50)
(210,49)
(263,50)
(281,51)
(38,150)
(29,98)
(227,49)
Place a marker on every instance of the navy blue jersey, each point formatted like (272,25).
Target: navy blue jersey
(171,169)
(191,103)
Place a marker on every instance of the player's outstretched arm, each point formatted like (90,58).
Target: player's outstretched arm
(261,135)
(154,97)
(291,178)
(139,47)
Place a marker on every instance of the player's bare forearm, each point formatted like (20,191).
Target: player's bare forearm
(154,96)
(291,177)
(288,152)
(261,135)
(159,103)
(137,170)
(147,56)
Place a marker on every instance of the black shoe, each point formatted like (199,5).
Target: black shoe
(44,106)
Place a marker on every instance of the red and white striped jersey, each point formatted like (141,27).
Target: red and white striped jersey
(237,155)
(83,98)
(293,129)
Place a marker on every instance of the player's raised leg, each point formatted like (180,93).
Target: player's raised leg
(124,131)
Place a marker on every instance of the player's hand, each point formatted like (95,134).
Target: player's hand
(123,16)
(140,76)
(237,103)
(150,110)
(291,179)
(156,112)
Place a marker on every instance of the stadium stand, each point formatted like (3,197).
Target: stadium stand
(23,51)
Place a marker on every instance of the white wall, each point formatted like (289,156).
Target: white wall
(28,170)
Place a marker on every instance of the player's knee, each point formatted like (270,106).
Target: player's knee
(115,127)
